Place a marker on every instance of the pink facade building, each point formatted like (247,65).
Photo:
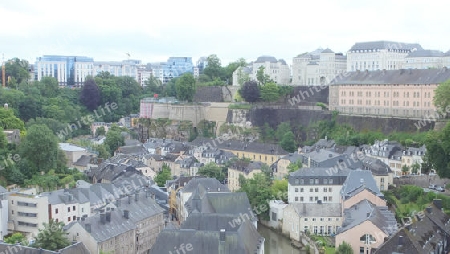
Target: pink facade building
(390,93)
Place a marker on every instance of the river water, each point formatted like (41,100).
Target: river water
(276,243)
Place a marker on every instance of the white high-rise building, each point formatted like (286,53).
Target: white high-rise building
(423,59)
(68,70)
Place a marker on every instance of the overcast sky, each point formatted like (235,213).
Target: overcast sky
(154,30)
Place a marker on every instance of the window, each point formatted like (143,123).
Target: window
(74,217)
(56,211)
(325,198)
(329,219)
(301,199)
(316,198)
(330,181)
(316,190)
(296,198)
(68,218)
(330,198)
(301,189)
(296,181)
(325,181)
(68,209)
(321,219)
(82,210)
(324,189)
(306,219)
(311,199)
(310,189)
(330,189)
(73,208)
(313,219)
(317,181)
(296,189)
(311,181)
(302,181)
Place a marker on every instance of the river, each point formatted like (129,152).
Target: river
(276,243)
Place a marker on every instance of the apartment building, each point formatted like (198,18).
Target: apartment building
(316,185)
(277,70)
(361,185)
(366,226)
(318,67)
(68,70)
(129,225)
(242,168)
(68,205)
(27,212)
(379,55)
(390,93)
(389,152)
(317,219)
(3,212)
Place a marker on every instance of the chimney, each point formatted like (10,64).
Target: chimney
(400,240)
(368,214)
(136,196)
(129,199)
(126,214)
(103,218)
(88,227)
(429,209)
(222,235)
(438,203)
(108,216)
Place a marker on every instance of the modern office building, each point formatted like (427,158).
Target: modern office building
(118,68)
(68,70)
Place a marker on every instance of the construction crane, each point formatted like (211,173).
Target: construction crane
(3,71)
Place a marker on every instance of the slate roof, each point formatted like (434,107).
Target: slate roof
(318,172)
(376,166)
(210,222)
(2,189)
(115,167)
(77,248)
(424,235)
(246,167)
(83,161)
(425,53)
(70,148)
(385,45)
(447,53)
(358,180)
(210,184)
(292,157)
(144,208)
(391,77)
(263,59)
(363,211)
(327,50)
(318,210)
(320,155)
(132,150)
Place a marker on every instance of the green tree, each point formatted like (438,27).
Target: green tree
(214,68)
(9,121)
(30,108)
(405,169)
(288,142)
(294,166)
(438,148)
(232,67)
(270,92)
(442,96)
(90,95)
(40,138)
(262,77)
(279,189)
(52,236)
(16,69)
(102,151)
(267,133)
(415,168)
(114,139)
(185,87)
(259,193)
(163,176)
(250,91)
(282,128)
(212,170)
(344,248)
(100,131)
(49,87)
(16,238)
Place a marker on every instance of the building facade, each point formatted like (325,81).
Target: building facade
(277,70)
(118,68)
(391,93)
(68,70)
(379,55)
(247,170)
(3,212)
(423,59)
(317,68)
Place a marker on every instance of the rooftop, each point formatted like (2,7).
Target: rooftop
(71,148)
(374,45)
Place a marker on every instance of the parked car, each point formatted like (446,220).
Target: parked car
(432,186)
(440,188)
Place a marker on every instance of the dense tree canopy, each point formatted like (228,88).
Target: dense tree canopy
(250,91)
(212,170)
(90,95)
(442,97)
(185,87)
(52,236)
(16,69)
(438,151)
(163,176)
(270,92)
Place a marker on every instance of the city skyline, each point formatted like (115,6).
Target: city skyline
(153,33)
